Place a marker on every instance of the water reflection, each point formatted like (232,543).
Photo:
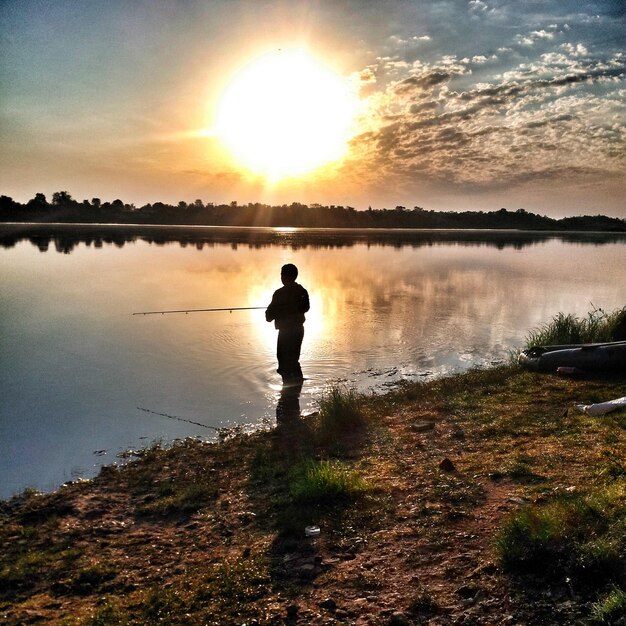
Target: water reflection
(288,405)
(75,364)
(65,237)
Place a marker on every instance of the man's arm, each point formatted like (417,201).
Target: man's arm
(270,312)
(305,304)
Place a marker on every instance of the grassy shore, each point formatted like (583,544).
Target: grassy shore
(482,498)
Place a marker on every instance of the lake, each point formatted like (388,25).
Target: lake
(82,379)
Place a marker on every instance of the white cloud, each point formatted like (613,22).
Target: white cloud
(534,36)
(478,7)
(578,50)
(524,41)
(399,43)
(542,34)
(538,122)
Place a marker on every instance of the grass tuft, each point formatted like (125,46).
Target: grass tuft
(577,537)
(422,603)
(610,608)
(325,482)
(519,468)
(236,582)
(171,499)
(598,326)
(614,466)
(340,412)
(107,615)
(26,568)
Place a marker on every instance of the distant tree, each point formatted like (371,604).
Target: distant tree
(96,202)
(6,203)
(38,202)
(117,204)
(182,205)
(233,203)
(61,198)
(198,204)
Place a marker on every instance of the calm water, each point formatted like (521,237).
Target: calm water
(76,365)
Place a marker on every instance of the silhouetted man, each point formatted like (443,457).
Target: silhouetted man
(287,309)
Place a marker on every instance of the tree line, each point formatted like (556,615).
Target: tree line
(64,208)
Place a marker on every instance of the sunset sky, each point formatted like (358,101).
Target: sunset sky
(447,104)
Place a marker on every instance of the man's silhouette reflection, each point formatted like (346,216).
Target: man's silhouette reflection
(287,309)
(288,406)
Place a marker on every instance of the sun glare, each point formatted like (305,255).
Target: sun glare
(286,114)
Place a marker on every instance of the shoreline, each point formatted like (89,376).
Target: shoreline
(410,502)
(65,236)
(313,229)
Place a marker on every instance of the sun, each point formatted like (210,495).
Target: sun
(285,114)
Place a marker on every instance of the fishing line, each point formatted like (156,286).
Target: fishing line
(180,419)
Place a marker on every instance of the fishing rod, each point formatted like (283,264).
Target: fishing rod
(230,309)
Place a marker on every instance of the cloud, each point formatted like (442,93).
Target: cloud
(479,8)
(397,42)
(537,123)
(535,36)
(578,50)
(423,81)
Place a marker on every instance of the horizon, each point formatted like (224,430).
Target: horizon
(451,106)
(234,204)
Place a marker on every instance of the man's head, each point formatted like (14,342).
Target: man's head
(288,273)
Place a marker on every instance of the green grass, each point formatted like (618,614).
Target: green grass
(614,466)
(598,326)
(235,582)
(85,581)
(21,570)
(107,615)
(578,537)
(610,607)
(171,498)
(340,412)
(422,603)
(325,482)
(519,468)
(207,594)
